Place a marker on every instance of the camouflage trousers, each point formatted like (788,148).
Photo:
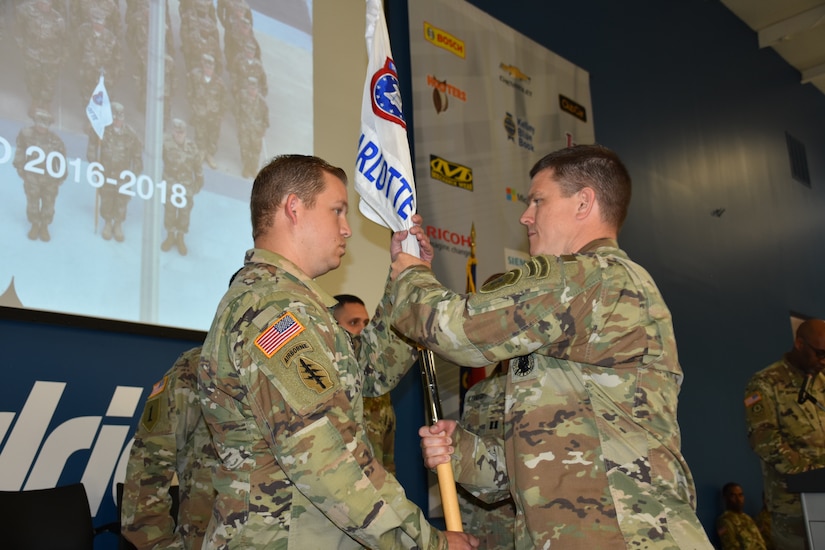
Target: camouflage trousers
(41,79)
(177,219)
(40,199)
(113,204)
(788,532)
(207,130)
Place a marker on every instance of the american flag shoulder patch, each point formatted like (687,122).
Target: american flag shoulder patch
(158,388)
(284,329)
(753,399)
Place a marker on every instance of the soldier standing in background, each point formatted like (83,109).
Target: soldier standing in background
(38,184)
(248,64)
(736,529)
(785,427)
(120,149)
(99,53)
(171,438)
(252,121)
(182,164)
(379,416)
(41,35)
(206,103)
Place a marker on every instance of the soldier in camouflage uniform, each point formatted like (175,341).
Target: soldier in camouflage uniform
(182,164)
(252,121)
(41,34)
(99,53)
(172,438)
(379,416)
(119,150)
(206,103)
(591,450)
(38,184)
(787,435)
(281,385)
(247,64)
(483,415)
(736,529)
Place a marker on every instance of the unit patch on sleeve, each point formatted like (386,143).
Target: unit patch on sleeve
(158,388)
(284,329)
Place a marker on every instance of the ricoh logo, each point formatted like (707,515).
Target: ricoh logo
(31,458)
(451,173)
(445,239)
(444,40)
(514,196)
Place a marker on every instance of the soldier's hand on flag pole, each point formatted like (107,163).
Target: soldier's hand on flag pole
(436,442)
(425,248)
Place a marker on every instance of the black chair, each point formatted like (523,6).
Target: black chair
(47,519)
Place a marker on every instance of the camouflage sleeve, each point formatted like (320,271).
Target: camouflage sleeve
(384,354)
(478,465)
(20,152)
(137,154)
(766,436)
(145,513)
(727,534)
(302,401)
(61,148)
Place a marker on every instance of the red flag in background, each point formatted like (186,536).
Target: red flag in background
(470,375)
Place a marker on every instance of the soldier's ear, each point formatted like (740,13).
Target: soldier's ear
(291,207)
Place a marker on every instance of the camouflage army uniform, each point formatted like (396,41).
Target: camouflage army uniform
(41,36)
(119,150)
(182,163)
(41,189)
(789,439)
(591,453)
(252,121)
(737,531)
(483,415)
(281,390)
(172,437)
(379,421)
(206,103)
(246,64)
(763,522)
(99,50)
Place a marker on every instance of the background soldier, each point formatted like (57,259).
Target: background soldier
(172,438)
(181,164)
(119,150)
(252,120)
(736,529)
(247,64)
(206,104)
(42,31)
(40,188)
(99,53)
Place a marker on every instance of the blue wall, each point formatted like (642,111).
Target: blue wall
(681,91)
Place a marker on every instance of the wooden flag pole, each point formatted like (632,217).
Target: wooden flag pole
(432,405)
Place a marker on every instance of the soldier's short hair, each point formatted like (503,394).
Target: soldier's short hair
(593,166)
(118,111)
(302,175)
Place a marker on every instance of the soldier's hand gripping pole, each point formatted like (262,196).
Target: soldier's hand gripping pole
(432,407)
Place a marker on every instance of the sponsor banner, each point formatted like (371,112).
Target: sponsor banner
(488,103)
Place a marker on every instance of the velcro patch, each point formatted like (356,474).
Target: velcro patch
(753,399)
(158,388)
(151,414)
(284,329)
(300,347)
(312,374)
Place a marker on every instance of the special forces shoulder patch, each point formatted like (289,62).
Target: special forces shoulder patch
(314,376)
(279,333)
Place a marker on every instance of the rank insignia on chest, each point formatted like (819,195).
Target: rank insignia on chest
(284,329)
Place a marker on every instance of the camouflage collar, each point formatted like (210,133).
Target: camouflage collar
(262,256)
(592,246)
